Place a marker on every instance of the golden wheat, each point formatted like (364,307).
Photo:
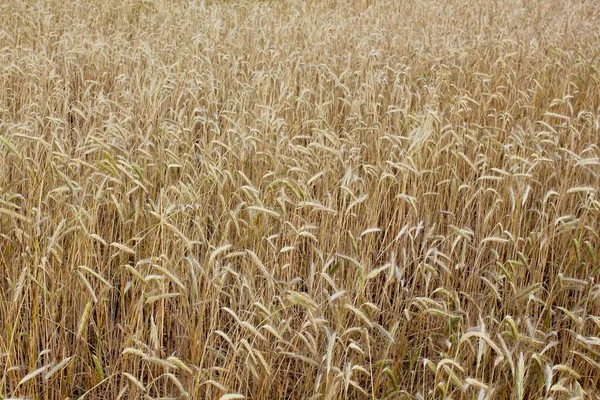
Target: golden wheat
(299,199)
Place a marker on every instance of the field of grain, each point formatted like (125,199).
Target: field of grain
(351,199)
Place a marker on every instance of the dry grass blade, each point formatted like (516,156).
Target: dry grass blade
(232,396)
(57,368)
(33,374)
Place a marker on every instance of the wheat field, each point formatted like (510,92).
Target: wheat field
(352,199)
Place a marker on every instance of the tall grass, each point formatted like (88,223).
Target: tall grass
(287,199)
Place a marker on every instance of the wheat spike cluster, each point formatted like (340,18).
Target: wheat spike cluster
(351,199)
